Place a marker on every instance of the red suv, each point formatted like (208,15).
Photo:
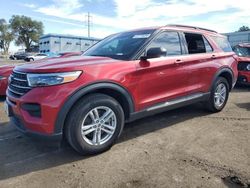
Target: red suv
(243,51)
(5,72)
(124,77)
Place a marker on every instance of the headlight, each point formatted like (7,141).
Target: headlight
(2,78)
(248,67)
(50,79)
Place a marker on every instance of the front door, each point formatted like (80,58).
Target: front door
(163,78)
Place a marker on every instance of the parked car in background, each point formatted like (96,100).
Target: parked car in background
(19,56)
(122,78)
(35,57)
(243,51)
(5,72)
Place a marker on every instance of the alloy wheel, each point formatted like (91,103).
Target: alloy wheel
(99,125)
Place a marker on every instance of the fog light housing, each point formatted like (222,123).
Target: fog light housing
(33,109)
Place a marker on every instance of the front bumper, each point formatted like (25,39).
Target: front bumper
(244,78)
(37,110)
(53,138)
(18,122)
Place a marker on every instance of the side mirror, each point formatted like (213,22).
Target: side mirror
(154,53)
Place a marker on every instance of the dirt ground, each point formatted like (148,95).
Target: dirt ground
(187,147)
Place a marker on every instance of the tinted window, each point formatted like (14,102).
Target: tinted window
(120,46)
(195,43)
(223,43)
(168,40)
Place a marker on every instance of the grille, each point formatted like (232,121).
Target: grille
(18,84)
(242,66)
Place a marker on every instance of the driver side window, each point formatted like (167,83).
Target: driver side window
(168,40)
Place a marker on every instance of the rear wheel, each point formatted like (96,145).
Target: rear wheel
(94,124)
(219,95)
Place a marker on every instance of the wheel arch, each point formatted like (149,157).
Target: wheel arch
(226,73)
(112,89)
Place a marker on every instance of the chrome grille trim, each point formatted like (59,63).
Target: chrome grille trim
(21,80)
(18,84)
(15,92)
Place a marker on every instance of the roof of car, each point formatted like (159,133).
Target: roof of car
(184,28)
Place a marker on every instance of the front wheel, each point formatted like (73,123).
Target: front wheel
(94,124)
(218,96)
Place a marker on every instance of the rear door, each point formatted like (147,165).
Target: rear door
(199,60)
(164,78)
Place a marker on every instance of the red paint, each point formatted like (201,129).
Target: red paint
(5,71)
(148,83)
(246,74)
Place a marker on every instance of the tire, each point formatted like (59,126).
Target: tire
(217,102)
(82,118)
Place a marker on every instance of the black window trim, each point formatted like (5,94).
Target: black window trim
(209,44)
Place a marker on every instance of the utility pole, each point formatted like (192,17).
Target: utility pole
(89,23)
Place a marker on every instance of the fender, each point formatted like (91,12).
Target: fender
(221,71)
(61,117)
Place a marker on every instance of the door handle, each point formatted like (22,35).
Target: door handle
(178,61)
(213,56)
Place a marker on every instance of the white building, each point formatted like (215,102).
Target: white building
(238,37)
(54,43)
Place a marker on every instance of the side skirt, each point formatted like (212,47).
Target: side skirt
(169,105)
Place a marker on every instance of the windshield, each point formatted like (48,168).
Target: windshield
(120,46)
(242,51)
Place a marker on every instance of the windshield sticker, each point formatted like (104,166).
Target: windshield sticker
(143,36)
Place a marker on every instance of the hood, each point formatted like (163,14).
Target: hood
(63,64)
(246,59)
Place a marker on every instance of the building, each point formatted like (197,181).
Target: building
(54,43)
(33,49)
(238,37)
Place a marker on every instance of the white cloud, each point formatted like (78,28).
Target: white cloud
(29,5)
(141,13)
(61,8)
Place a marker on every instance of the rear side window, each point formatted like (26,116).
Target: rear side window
(168,40)
(223,43)
(195,43)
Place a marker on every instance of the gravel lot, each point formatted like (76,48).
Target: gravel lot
(186,147)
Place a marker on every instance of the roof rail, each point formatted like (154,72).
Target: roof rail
(193,27)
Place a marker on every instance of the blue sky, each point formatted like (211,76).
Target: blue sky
(110,16)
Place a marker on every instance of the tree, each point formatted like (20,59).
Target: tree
(244,28)
(27,31)
(6,36)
